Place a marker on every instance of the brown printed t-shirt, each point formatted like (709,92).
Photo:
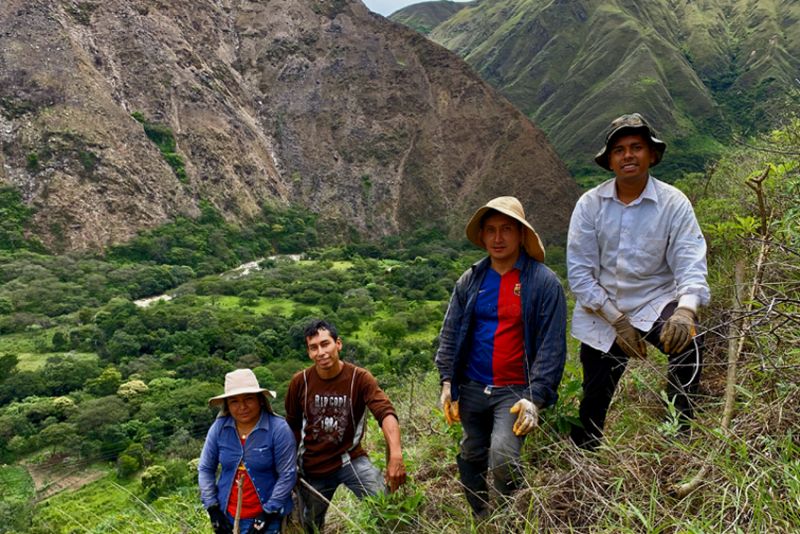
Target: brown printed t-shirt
(328,417)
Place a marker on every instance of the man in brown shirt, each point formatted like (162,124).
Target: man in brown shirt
(326,409)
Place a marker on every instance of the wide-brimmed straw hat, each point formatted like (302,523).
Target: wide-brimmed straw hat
(513,208)
(637,123)
(240,382)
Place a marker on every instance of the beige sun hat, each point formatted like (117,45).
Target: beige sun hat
(240,382)
(513,208)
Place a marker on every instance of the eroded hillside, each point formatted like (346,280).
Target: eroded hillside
(316,102)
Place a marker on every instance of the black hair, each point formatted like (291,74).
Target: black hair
(263,401)
(313,328)
(492,211)
(644,131)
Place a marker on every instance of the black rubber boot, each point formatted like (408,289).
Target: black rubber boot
(473,476)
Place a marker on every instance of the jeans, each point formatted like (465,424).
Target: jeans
(602,372)
(488,441)
(244,524)
(359,475)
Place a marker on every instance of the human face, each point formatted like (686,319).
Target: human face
(245,409)
(324,351)
(630,157)
(502,237)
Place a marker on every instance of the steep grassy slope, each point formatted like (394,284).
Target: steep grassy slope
(698,70)
(425,16)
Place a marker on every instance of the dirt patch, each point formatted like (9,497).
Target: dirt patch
(54,476)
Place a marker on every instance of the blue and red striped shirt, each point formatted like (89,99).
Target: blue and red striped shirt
(498,339)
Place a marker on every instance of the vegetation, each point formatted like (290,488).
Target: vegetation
(164,139)
(109,397)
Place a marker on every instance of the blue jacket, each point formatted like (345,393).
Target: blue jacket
(544,314)
(269,455)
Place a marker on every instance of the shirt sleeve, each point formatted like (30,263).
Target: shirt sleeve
(445,354)
(293,406)
(207,468)
(375,398)
(583,257)
(686,256)
(551,340)
(285,454)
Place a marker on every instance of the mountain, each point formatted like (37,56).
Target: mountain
(425,16)
(120,115)
(699,70)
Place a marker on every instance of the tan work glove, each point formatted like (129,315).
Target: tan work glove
(449,407)
(628,338)
(527,417)
(678,331)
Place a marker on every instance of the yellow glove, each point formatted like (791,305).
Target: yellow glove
(678,331)
(628,338)
(449,407)
(527,418)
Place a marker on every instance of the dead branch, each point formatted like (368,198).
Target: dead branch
(735,346)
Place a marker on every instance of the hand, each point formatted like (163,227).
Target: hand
(263,520)
(628,338)
(219,523)
(678,331)
(395,473)
(527,418)
(449,407)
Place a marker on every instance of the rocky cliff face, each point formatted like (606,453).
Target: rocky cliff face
(316,102)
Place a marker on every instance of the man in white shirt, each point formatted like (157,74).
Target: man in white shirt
(636,262)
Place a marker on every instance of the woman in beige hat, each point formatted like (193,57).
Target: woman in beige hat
(257,453)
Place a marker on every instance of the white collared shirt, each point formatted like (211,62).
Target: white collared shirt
(638,257)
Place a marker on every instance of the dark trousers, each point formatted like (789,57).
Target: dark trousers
(602,371)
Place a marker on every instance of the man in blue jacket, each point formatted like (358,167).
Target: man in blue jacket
(502,349)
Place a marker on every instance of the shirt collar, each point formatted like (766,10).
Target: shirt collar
(608,190)
(263,421)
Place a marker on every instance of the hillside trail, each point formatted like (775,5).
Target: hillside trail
(237,272)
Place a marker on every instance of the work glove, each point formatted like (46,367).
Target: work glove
(449,407)
(628,338)
(678,331)
(527,417)
(219,523)
(261,522)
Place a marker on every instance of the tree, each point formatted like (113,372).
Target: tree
(105,384)
(154,480)
(391,330)
(60,341)
(8,362)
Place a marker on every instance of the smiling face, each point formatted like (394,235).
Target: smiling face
(324,351)
(245,409)
(502,237)
(630,157)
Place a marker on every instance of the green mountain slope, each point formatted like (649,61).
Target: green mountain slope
(425,16)
(698,70)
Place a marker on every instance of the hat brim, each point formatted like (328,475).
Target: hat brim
(219,399)
(531,242)
(660,146)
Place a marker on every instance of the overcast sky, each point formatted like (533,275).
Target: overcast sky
(387,7)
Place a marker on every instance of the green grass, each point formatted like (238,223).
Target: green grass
(35,361)
(263,306)
(15,483)
(111,505)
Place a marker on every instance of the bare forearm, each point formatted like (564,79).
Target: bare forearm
(395,468)
(391,432)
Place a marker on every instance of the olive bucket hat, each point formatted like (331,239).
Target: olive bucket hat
(513,208)
(635,122)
